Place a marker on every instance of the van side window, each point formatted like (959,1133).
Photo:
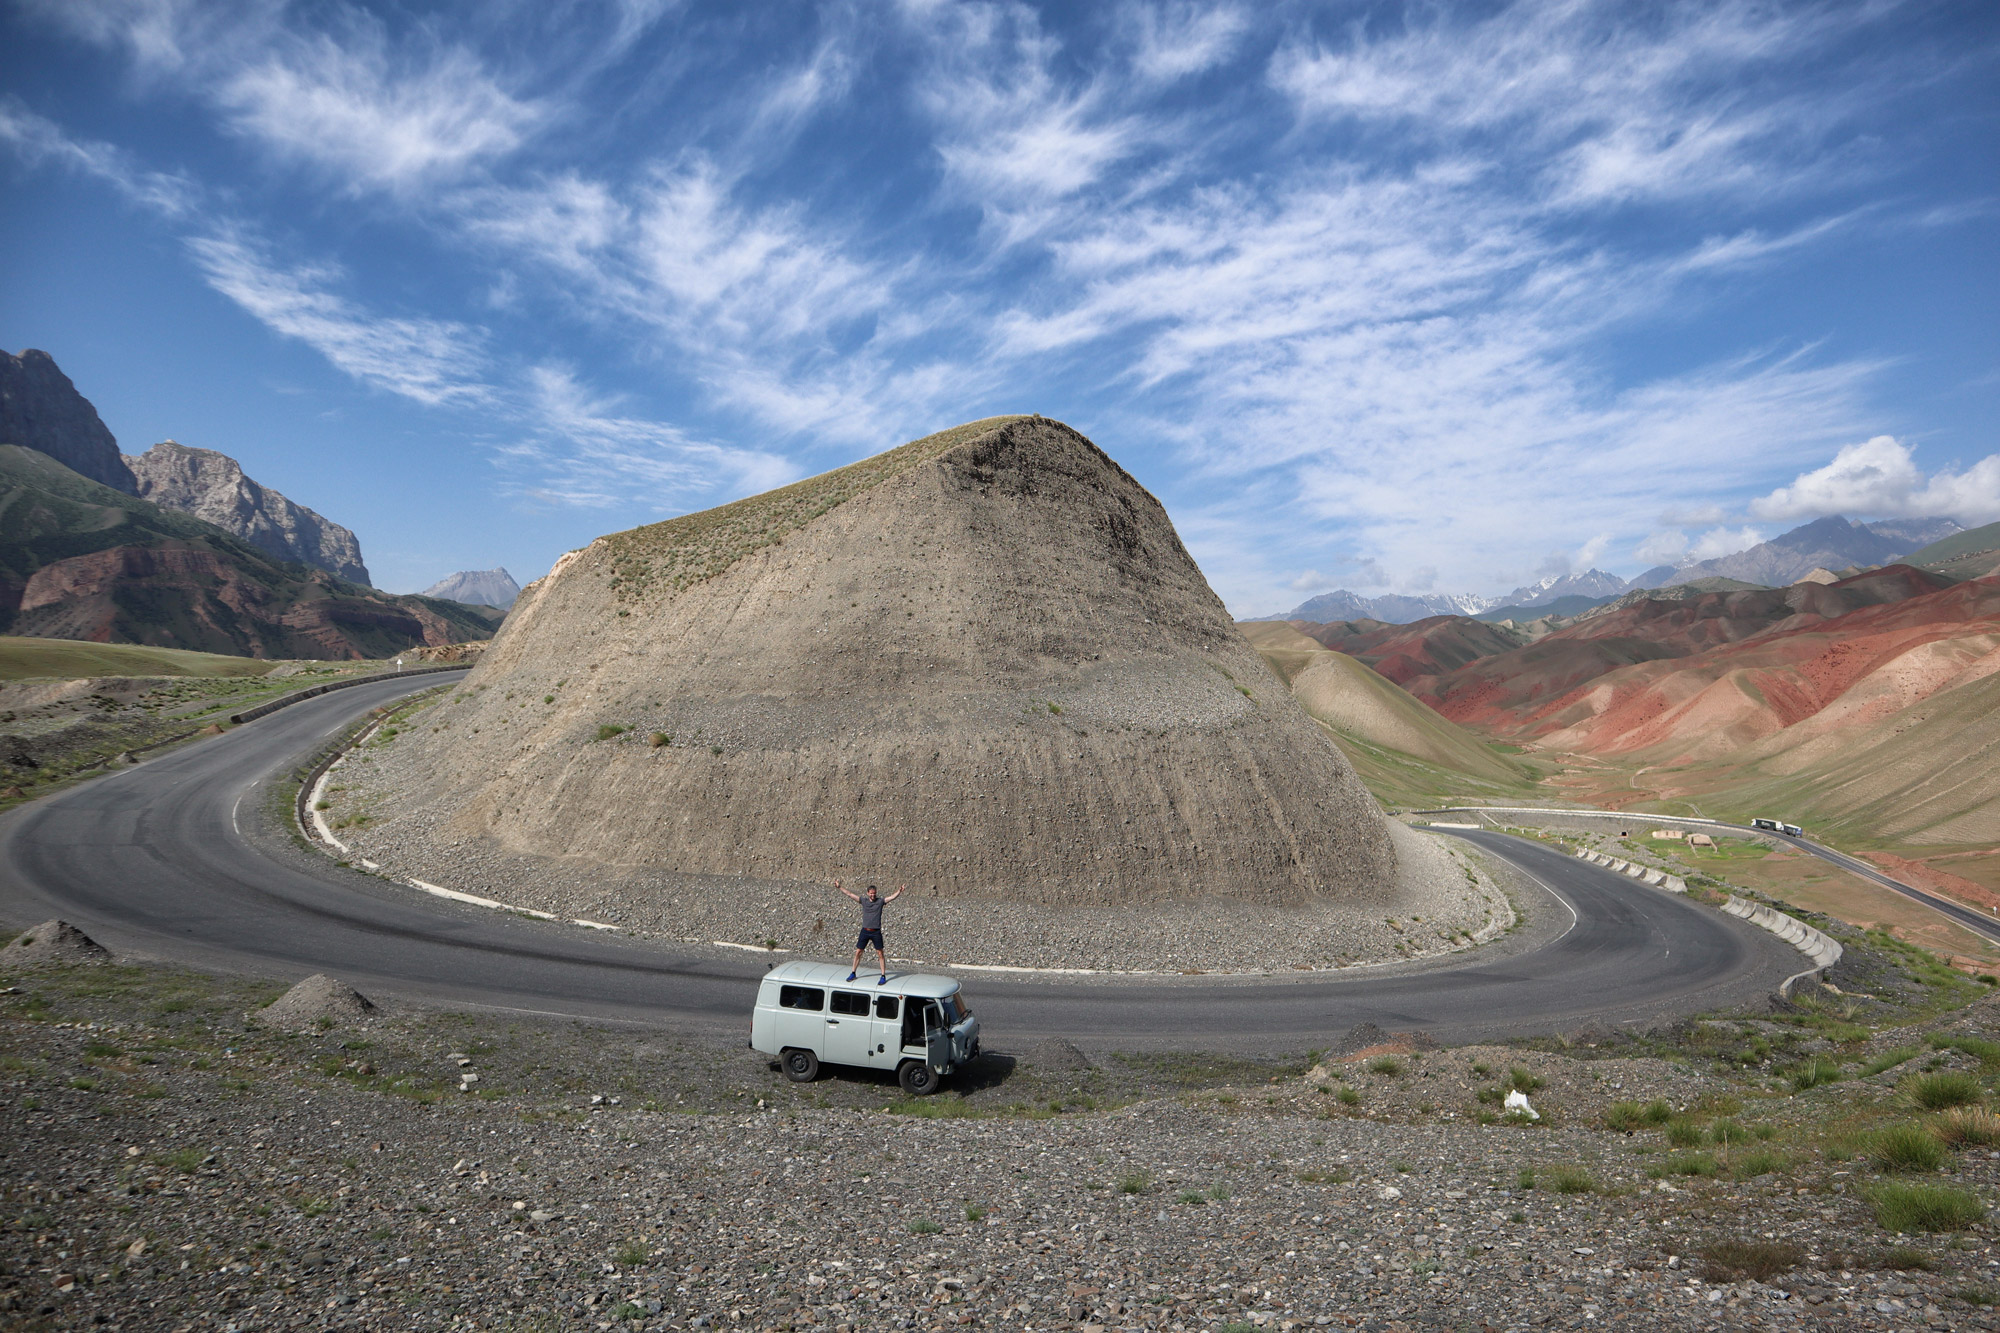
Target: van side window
(847,1002)
(885,1006)
(801,997)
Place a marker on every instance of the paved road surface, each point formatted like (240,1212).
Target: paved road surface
(180,857)
(1980,923)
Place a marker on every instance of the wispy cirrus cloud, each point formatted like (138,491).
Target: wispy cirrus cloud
(430,361)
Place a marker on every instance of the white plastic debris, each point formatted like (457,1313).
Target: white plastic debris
(1517,1103)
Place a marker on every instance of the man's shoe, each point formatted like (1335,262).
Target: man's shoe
(850,976)
(884,981)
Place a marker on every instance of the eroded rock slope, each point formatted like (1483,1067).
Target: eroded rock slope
(982,662)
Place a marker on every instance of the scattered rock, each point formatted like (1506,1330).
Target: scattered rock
(318,1001)
(1056,1053)
(53,942)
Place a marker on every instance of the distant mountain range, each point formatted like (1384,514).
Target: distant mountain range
(1833,544)
(177,547)
(83,560)
(40,409)
(477,587)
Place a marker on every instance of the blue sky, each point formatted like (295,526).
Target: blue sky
(1391,297)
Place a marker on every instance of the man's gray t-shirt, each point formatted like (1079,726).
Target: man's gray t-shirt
(871,913)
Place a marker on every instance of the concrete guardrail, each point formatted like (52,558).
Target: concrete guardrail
(300,696)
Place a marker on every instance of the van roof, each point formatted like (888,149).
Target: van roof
(925,984)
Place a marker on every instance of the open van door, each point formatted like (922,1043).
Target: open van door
(937,1038)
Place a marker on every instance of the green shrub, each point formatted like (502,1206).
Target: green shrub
(1525,1178)
(1138,1182)
(1814,1073)
(659,740)
(631,1254)
(1349,1096)
(609,729)
(1907,1148)
(1387,1064)
(1756,1260)
(923,1226)
(1520,1080)
(1935,1092)
(1192,1196)
(1909,1206)
(974,1213)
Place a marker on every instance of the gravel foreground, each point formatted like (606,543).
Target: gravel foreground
(172,1162)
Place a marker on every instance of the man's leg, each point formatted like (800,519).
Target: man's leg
(882,957)
(854,969)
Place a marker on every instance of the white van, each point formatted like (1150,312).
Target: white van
(810,1013)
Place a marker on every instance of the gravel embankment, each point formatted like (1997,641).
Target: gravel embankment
(380,809)
(169,1165)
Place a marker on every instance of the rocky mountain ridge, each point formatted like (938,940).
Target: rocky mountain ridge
(477,587)
(212,487)
(41,409)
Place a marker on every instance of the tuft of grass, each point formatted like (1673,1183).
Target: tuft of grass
(1935,1092)
(1728,1131)
(1572,1180)
(1907,1148)
(1684,1133)
(1386,1064)
(1903,1259)
(631,1254)
(1757,1260)
(1349,1096)
(1911,1206)
(1137,1182)
(659,740)
(923,1226)
(974,1213)
(607,730)
(1986,1052)
(1521,1080)
(1684,1164)
(1968,1126)
(1814,1073)
(1192,1196)
(1525,1178)
(1890,1059)
(1628,1116)
(1762,1162)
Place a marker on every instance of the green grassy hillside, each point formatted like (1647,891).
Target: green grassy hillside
(1407,755)
(26,659)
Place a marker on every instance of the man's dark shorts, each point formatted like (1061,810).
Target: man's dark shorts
(869,937)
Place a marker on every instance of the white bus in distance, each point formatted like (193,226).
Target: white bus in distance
(917,1024)
(1778,826)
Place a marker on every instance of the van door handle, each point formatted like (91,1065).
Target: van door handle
(833,1022)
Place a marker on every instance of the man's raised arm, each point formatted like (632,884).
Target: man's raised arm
(855,896)
(897,894)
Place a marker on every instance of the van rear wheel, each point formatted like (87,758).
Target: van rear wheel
(800,1066)
(918,1079)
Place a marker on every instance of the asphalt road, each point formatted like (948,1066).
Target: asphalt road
(1970,917)
(182,857)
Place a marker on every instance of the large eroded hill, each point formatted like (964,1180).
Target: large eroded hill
(982,662)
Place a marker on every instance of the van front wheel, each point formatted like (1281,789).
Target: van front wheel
(918,1079)
(800,1066)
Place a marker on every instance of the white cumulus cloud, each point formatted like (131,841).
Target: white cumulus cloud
(1879,478)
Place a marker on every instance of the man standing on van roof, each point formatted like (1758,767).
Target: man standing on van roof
(871,927)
